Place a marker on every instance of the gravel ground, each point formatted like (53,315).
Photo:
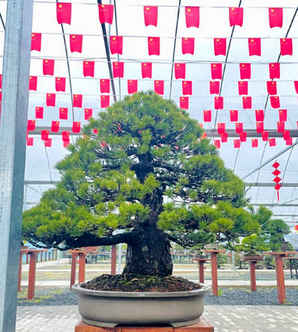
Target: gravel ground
(228,296)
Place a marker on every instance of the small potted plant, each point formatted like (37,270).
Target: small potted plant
(253,246)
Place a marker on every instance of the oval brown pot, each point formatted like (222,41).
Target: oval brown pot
(111,308)
(253,258)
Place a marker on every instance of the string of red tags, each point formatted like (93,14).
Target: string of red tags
(191,13)
(276,179)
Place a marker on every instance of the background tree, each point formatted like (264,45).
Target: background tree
(141,168)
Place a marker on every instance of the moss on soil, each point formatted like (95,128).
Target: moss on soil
(123,283)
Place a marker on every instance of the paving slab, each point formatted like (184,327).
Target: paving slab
(224,318)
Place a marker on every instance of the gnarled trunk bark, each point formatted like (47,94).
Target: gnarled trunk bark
(149,253)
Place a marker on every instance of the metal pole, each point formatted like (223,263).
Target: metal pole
(13,123)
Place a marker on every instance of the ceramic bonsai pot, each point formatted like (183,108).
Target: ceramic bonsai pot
(111,308)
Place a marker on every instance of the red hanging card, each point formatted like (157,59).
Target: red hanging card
(274,70)
(192,16)
(45,135)
(88,113)
(259,115)
(216,71)
(246,102)
(48,67)
(237,143)
(224,137)
(214,87)
(243,136)
(217,143)
(188,45)
(286,46)
(88,68)
(286,134)
(265,136)
(36,41)
(220,46)
(55,126)
(159,87)
(236,16)
(254,142)
(30,141)
(104,101)
(254,46)
(239,127)
(63,113)
(104,85)
(132,86)
(51,99)
(150,15)
(184,103)
(146,70)
(271,87)
(296,86)
(116,44)
(0,81)
(60,83)
(48,143)
(31,125)
(221,128)
(39,112)
(65,135)
(186,87)
(105,13)
(280,126)
(66,143)
(154,45)
(77,100)
(118,69)
(207,115)
(63,12)
(76,127)
(274,102)
(76,43)
(283,115)
(233,115)
(272,142)
(289,141)
(218,102)
(275,17)
(260,127)
(245,71)
(180,70)
(33,83)
(243,87)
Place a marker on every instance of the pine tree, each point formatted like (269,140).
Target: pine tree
(142,175)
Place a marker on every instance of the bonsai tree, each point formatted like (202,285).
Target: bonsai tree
(252,245)
(142,175)
(272,230)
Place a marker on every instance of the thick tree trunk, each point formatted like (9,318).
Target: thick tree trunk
(149,253)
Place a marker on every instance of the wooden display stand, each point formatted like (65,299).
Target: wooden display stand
(252,263)
(202,326)
(32,253)
(214,253)
(201,261)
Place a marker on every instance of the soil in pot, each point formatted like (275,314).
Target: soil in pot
(119,282)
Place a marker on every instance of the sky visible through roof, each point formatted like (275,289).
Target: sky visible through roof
(214,23)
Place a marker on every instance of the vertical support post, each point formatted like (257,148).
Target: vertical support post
(201,271)
(82,266)
(20,272)
(13,125)
(73,268)
(32,274)
(214,273)
(280,279)
(27,258)
(253,283)
(113,259)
